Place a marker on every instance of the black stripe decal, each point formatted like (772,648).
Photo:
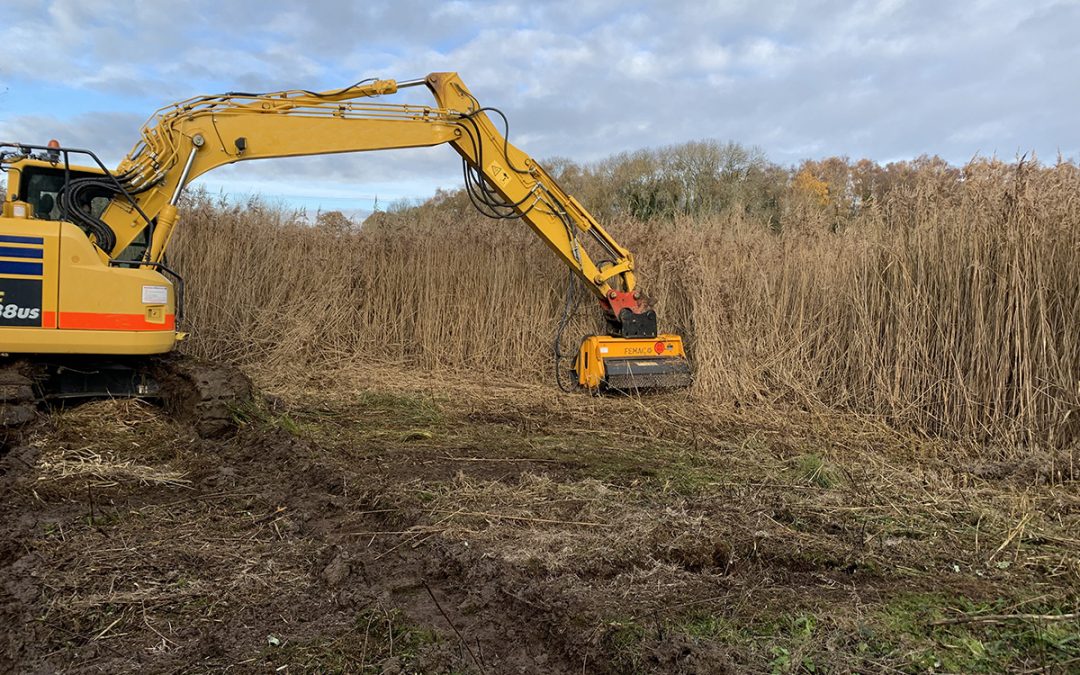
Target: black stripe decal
(12,252)
(12,239)
(25,268)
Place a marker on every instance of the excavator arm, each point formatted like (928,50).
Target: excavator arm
(189,138)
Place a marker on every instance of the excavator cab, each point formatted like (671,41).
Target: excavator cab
(40,183)
(60,293)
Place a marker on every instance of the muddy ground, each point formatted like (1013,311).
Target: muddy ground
(384,523)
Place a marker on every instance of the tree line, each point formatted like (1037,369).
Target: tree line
(710,178)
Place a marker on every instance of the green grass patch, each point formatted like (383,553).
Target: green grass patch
(774,643)
(376,637)
(258,414)
(908,630)
(623,460)
(385,417)
(812,469)
(398,410)
(623,642)
(905,633)
(709,626)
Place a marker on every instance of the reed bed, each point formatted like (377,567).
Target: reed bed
(949,307)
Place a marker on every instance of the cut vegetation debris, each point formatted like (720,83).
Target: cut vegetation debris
(522,533)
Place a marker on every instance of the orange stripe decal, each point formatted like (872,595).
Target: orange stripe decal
(48,319)
(95,321)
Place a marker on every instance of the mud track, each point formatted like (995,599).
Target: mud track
(390,530)
(299,530)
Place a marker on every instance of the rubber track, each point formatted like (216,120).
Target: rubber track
(202,394)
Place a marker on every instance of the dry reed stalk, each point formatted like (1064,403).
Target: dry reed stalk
(949,308)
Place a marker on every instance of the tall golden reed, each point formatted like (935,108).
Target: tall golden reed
(950,308)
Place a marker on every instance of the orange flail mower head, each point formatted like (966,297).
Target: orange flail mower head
(632,364)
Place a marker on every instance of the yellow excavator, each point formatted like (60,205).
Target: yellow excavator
(87,298)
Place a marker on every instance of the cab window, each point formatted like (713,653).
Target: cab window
(41,188)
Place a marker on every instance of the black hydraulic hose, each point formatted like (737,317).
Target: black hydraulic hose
(569,304)
(484,198)
(488,202)
(506,136)
(78,194)
(75,200)
(316,94)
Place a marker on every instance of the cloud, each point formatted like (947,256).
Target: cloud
(582,79)
(109,135)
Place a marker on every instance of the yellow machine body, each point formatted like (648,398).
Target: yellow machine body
(59,295)
(607,362)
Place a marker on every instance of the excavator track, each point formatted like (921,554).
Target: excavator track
(200,393)
(204,395)
(18,402)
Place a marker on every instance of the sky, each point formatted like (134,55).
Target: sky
(583,79)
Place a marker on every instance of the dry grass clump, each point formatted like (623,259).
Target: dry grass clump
(104,448)
(849,504)
(948,307)
(541,484)
(130,544)
(583,527)
(107,471)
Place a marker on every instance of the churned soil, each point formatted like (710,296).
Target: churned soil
(372,521)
